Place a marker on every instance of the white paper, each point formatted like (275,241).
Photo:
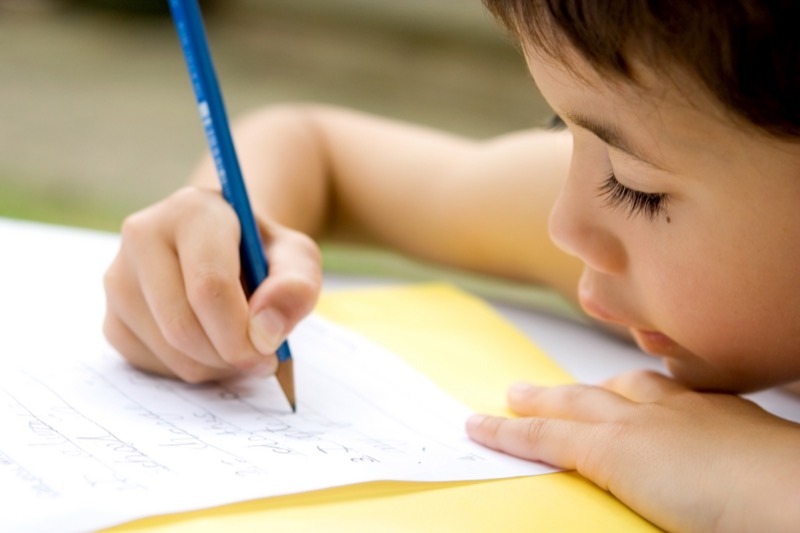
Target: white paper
(88,441)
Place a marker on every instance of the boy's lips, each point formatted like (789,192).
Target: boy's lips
(651,341)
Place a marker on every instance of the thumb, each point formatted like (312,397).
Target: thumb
(288,294)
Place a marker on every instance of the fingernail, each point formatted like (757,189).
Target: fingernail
(474,421)
(267,330)
(520,389)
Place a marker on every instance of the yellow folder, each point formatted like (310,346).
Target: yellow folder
(472,353)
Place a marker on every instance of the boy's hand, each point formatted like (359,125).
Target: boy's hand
(685,460)
(175,301)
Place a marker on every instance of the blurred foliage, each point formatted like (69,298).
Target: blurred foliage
(57,206)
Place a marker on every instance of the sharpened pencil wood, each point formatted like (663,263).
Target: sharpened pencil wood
(285,376)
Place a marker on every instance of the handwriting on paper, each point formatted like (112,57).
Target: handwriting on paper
(81,428)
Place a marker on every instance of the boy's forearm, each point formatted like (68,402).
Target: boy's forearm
(477,205)
(335,173)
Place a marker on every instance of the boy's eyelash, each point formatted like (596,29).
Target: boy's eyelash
(635,202)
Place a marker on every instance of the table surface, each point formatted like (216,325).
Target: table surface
(44,260)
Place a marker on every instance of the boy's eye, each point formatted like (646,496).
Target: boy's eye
(634,202)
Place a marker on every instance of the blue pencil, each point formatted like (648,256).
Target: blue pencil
(189,23)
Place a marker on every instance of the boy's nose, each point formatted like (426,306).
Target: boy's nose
(578,226)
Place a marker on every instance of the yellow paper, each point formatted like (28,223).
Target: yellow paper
(473,354)
(454,338)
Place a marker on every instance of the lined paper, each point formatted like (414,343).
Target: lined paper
(89,441)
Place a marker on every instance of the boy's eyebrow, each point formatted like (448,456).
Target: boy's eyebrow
(611,135)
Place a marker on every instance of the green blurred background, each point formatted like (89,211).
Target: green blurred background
(97,116)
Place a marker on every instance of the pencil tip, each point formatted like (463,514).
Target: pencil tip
(285,376)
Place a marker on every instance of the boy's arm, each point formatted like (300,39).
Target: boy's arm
(476,205)
(175,304)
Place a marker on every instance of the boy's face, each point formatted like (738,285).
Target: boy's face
(696,245)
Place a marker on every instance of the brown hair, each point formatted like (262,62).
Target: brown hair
(743,51)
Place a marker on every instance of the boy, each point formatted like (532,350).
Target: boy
(674,195)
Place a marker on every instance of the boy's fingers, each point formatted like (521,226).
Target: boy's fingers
(131,348)
(158,291)
(643,386)
(135,334)
(550,441)
(591,449)
(207,247)
(170,363)
(574,402)
(162,285)
(215,294)
(565,426)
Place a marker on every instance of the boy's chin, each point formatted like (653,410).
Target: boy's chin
(700,375)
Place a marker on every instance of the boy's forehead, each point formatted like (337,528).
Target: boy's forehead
(658,113)
(610,108)
(646,89)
